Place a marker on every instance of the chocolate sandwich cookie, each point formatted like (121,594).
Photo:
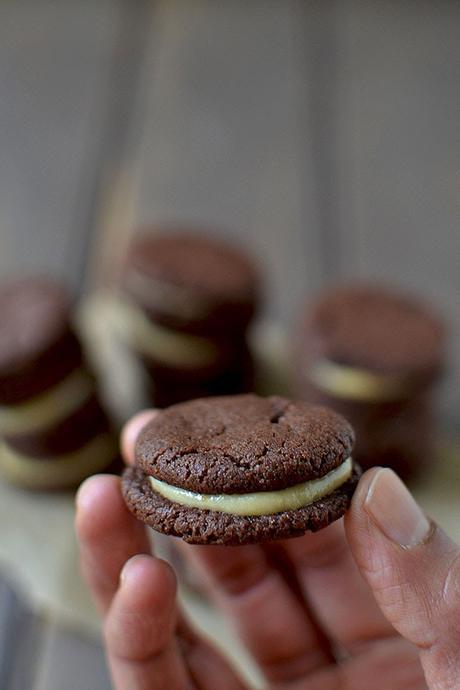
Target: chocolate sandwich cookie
(398,434)
(184,307)
(53,427)
(225,356)
(59,471)
(230,357)
(37,345)
(233,382)
(374,356)
(241,469)
(64,435)
(190,282)
(170,388)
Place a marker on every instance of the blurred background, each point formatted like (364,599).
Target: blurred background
(323,136)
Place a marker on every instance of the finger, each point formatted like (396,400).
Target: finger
(413,569)
(131,431)
(283,640)
(334,588)
(108,536)
(204,663)
(102,513)
(142,651)
(390,663)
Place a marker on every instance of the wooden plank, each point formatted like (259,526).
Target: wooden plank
(399,153)
(20,640)
(55,60)
(39,652)
(225,144)
(319,46)
(71,661)
(111,186)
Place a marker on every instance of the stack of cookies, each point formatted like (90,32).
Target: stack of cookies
(375,356)
(53,428)
(186,304)
(241,469)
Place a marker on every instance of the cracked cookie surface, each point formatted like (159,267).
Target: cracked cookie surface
(238,444)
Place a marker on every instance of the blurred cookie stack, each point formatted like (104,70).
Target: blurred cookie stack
(186,303)
(53,427)
(375,356)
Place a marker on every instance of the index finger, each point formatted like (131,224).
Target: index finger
(108,536)
(131,431)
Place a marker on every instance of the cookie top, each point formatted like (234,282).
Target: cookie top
(183,278)
(243,443)
(37,346)
(372,328)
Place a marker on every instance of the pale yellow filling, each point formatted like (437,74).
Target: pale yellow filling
(48,408)
(355,384)
(64,470)
(162,344)
(261,502)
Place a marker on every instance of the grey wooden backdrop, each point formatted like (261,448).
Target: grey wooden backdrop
(322,135)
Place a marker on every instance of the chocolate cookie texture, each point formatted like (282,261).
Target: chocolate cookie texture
(243,443)
(241,469)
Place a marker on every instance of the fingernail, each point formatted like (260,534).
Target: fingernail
(135,565)
(394,510)
(131,431)
(128,568)
(144,565)
(123,574)
(83,496)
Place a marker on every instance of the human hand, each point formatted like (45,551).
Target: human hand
(382,595)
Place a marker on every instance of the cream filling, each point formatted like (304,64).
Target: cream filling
(261,502)
(61,471)
(173,299)
(162,344)
(49,407)
(355,384)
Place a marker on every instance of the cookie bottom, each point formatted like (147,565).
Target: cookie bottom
(209,527)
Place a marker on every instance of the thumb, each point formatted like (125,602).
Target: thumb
(413,569)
